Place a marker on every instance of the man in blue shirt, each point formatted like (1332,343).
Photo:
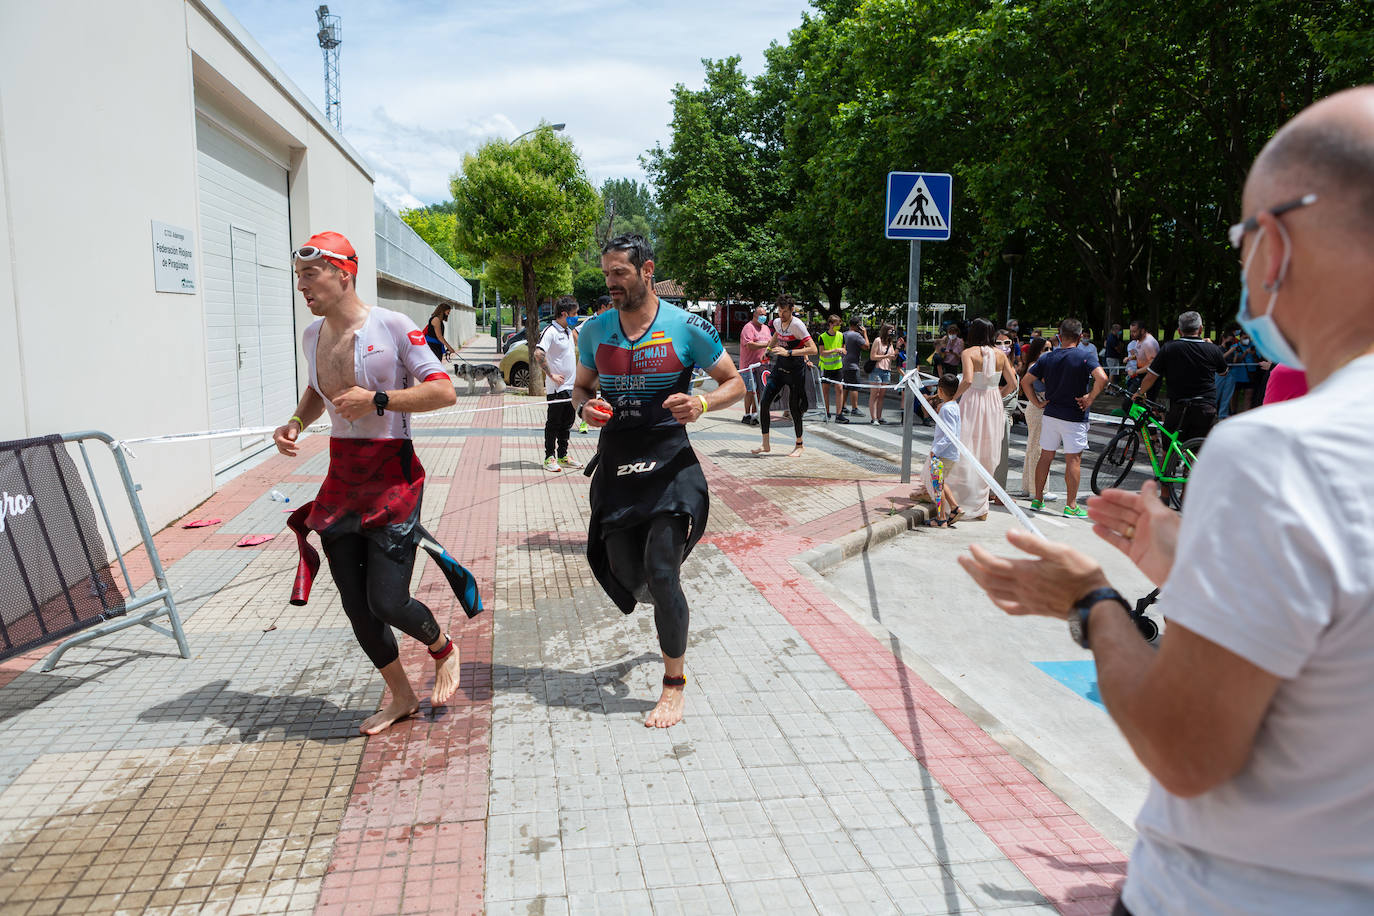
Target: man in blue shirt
(649,502)
(1066,372)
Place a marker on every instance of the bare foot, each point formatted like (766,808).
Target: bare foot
(389,715)
(761,450)
(668,712)
(795,452)
(446,674)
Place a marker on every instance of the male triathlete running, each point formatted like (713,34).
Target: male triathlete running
(789,348)
(648,496)
(370,368)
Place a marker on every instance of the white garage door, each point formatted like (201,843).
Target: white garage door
(247,285)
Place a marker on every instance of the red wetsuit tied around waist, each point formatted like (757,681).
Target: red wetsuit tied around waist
(376,481)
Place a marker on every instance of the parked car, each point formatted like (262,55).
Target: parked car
(518,335)
(515,366)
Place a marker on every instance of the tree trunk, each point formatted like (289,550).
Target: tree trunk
(532,325)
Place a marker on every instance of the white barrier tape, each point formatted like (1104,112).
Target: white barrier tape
(965,455)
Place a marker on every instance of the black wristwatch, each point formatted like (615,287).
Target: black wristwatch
(380,399)
(1078,615)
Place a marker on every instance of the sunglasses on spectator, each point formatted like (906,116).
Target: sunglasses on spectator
(1237,232)
(311,253)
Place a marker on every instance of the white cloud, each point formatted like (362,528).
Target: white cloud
(425,81)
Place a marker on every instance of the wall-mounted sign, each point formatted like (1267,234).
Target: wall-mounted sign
(174,259)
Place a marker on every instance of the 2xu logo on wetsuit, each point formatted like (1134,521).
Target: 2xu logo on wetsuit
(638,467)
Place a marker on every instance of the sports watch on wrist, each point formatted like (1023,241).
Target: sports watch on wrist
(380,400)
(1082,608)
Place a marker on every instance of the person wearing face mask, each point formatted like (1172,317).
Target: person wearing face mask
(1251,717)
(753,344)
(1189,365)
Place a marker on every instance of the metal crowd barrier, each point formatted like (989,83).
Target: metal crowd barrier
(157,603)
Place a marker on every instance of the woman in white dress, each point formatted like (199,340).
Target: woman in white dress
(988,377)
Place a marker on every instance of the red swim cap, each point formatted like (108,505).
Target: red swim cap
(336,243)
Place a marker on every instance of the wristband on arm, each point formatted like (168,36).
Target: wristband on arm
(702,399)
(298,421)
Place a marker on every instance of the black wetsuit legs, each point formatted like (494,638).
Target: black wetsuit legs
(796,398)
(375,590)
(648,558)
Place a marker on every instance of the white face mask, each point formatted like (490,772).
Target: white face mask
(1263,330)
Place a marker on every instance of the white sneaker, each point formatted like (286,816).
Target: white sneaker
(569,462)
(1051,497)
(551,464)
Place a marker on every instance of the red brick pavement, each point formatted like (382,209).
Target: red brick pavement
(413,839)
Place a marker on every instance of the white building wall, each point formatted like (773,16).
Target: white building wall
(90,155)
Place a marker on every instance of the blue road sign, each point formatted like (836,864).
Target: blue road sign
(918,206)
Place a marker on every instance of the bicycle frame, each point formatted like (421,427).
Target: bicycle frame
(1145,423)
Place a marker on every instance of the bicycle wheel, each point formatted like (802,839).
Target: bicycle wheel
(1116,460)
(1179,465)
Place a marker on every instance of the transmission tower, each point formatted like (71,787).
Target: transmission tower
(330,36)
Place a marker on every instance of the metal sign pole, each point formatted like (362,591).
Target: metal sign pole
(913,304)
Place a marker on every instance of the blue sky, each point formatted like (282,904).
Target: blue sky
(424,81)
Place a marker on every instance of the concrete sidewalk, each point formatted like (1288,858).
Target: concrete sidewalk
(815,771)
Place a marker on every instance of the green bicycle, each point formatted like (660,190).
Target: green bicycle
(1170,460)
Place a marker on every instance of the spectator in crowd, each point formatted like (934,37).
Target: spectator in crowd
(434,331)
(1240,357)
(831,360)
(1067,371)
(753,345)
(1086,342)
(556,354)
(882,354)
(1146,349)
(988,376)
(1009,406)
(855,343)
(944,455)
(603,304)
(1115,352)
(1189,365)
(949,350)
(1251,717)
(1035,413)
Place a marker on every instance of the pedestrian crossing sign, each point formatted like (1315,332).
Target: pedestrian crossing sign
(918,206)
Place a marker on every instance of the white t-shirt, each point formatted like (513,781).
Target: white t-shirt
(389,353)
(560,346)
(1276,564)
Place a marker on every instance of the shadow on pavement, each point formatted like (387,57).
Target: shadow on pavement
(253,714)
(602,692)
(32,689)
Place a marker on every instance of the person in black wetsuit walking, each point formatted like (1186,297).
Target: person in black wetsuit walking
(649,502)
(789,348)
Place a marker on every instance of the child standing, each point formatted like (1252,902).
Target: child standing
(944,454)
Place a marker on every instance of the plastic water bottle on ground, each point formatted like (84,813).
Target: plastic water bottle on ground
(277,496)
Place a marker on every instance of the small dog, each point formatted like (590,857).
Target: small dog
(474,372)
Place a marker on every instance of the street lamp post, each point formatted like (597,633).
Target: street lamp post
(536,130)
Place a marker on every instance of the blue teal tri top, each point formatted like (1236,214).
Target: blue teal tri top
(637,376)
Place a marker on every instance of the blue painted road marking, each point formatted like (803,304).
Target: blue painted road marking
(1078,676)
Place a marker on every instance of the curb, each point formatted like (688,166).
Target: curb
(848,546)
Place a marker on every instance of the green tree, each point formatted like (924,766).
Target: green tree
(524,205)
(589,285)
(719,187)
(437,224)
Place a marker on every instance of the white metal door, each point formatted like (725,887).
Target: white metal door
(243,253)
(250,326)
